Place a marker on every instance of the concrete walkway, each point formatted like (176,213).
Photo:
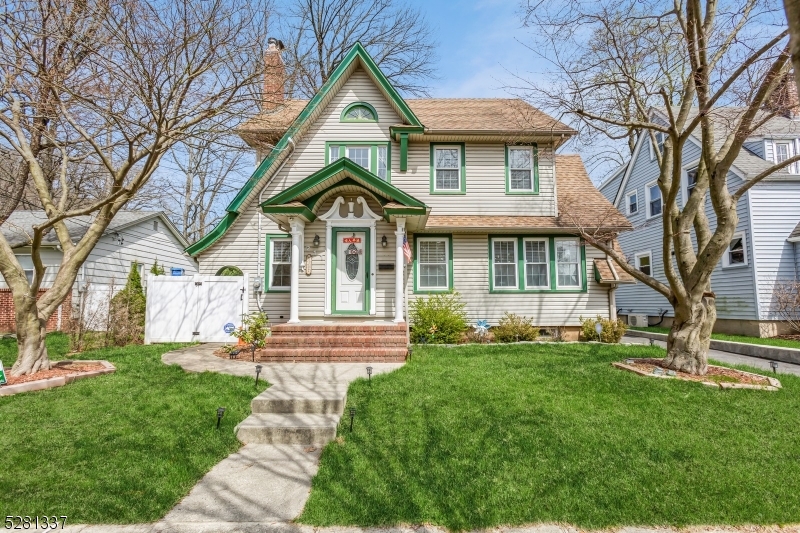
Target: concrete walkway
(261,483)
(729,358)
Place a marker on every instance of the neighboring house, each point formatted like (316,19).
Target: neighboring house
(132,236)
(473,185)
(764,249)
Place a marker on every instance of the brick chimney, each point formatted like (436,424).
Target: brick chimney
(784,100)
(274,76)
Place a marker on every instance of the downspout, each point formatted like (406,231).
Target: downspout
(260,216)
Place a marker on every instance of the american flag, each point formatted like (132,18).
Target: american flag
(406,250)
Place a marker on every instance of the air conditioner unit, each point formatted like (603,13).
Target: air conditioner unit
(637,321)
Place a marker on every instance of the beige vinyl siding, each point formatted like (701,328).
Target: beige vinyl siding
(471,280)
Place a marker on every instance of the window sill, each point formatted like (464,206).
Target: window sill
(522,193)
(734,267)
(448,192)
(281,289)
(424,290)
(538,291)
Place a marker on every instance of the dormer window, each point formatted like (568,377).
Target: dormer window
(359,112)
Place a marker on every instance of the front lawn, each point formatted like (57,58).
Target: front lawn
(767,341)
(482,436)
(121,448)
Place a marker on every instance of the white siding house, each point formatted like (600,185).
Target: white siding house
(768,213)
(133,236)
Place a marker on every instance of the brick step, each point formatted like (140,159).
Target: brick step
(338,329)
(324,341)
(335,354)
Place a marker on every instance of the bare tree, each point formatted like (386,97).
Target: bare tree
(321,32)
(137,79)
(793,18)
(786,302)
(736,56)
(212,166)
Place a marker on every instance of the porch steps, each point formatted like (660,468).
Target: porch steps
(345,342)
(288,428)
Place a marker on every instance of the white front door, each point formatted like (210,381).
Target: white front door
(351,265)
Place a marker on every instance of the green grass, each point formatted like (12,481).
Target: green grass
(482,436)
(783,343)
(121,448)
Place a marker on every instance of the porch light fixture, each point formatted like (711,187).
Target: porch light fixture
(220,414)
(369,373)
(384,241)
(258,371)
(315,242)
(352,416)
(774,365)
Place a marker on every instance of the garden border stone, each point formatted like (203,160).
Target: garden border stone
(60,381)
(774,384)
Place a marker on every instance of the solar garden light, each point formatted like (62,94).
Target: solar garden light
(774,365)
(352,416)
(220,414)
(369,373)
(258,371)
(234,354)
(598,327)
(652,342)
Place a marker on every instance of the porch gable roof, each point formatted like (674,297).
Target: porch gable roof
(304,197)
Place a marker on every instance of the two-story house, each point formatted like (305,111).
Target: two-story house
(364,200)
(764,249)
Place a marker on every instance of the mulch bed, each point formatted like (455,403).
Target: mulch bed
(715,374)
(58,370)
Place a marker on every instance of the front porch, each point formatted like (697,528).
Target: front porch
(343,251)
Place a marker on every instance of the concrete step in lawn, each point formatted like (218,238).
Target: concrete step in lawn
(323,399)
(288,428)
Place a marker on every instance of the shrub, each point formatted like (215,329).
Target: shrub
(255,329)
(612,332)
(438,319)
(126,311)
(515,328)
(157,269)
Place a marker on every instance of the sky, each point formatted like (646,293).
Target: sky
(480,46)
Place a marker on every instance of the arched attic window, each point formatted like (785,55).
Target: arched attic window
(359,112)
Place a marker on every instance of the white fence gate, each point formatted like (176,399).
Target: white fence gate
(194,308)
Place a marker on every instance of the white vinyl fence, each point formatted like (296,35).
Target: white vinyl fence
(194,308)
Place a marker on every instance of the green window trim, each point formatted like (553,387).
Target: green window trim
(345,118)
(373,154)
(268,261)
(463,174)
(521,271)
(534,174)
(367,272)
(443,236)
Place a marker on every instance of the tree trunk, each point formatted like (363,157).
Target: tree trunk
(690,336)
(31,349)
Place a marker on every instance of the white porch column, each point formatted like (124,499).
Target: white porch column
(297,226)
(612,303)
(399,261)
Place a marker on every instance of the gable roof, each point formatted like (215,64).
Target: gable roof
(795,235)
(19,226)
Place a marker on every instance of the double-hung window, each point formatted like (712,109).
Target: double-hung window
(644,263)
(633,203)
(660,138)
(280,263)
(691,181)
(568,263)
(537,264)
(504,263)
(447,168)
(654,202)
(736,254)
(373,156)
(433,263)
(782,151)
(521,169)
